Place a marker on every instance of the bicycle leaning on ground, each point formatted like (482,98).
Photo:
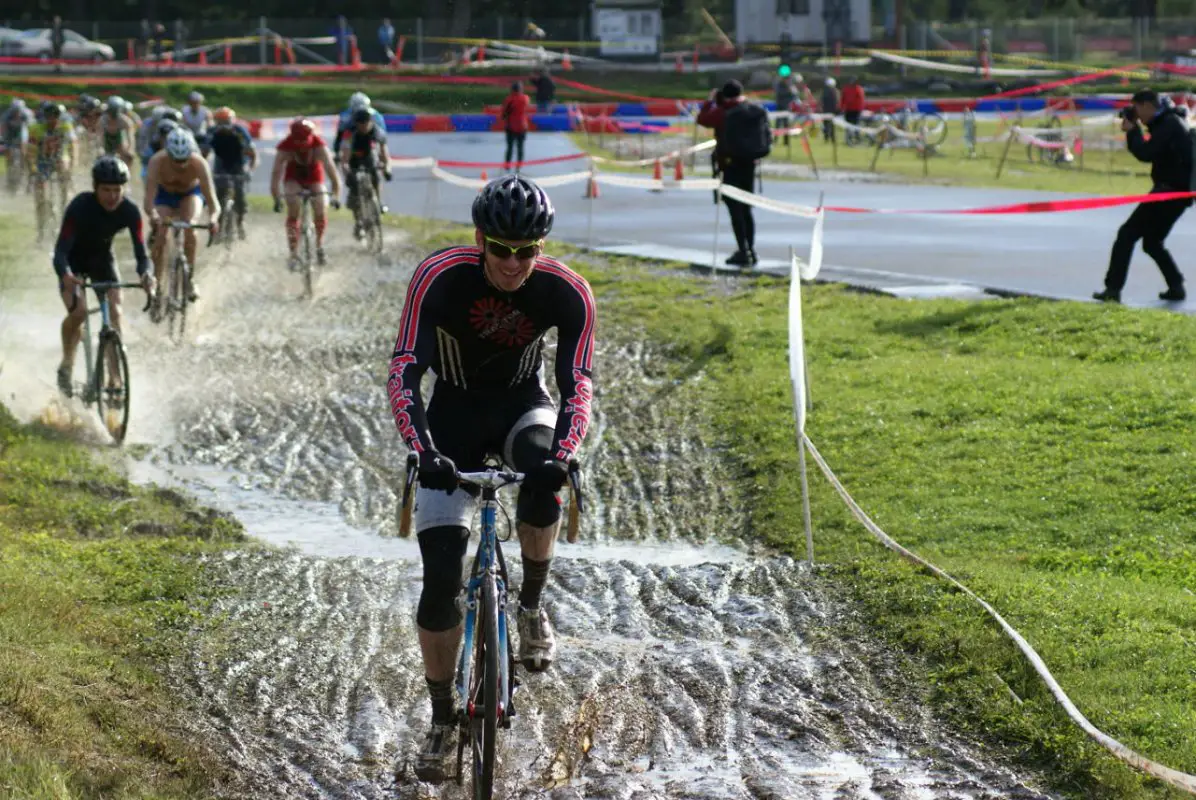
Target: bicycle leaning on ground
(486,679)
(111,396)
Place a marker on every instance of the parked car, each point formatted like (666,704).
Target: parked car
(8,41)
(36,44)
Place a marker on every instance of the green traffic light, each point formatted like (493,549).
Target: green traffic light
(784,71)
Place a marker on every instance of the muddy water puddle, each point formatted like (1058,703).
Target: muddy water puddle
(691,665)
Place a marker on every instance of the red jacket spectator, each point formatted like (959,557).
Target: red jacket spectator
(514,111)
(853,97)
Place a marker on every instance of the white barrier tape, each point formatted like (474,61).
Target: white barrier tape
(707,184)
(938,65)
(613,179)
(1026,138)
(839,122)
(648,162)
(1179,780)
(413,163)
(563,180)
(458,180)
(768,204)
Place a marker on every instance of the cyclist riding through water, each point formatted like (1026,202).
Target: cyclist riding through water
(177,184)
(50,150)
(198,120)
(357,101)
(301,162)
(84,250)
(116,129)
(235,158)
(154,132)
(477,316)
(364,147)
(15,128)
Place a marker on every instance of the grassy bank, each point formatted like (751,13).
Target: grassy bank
(1111,171)
(98,582)
(1040,451)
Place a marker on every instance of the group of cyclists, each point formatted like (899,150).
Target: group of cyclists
(190,159)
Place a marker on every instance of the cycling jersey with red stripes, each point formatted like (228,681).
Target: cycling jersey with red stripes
(305,166)
(479,339)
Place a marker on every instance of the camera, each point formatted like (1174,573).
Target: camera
(1129,114)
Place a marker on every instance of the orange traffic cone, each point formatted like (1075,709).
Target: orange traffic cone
(485,179)
(657,174)
(591,189)
(566,63)
(677,65)
(481,54)
(678,170)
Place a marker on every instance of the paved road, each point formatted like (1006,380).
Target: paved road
(1057,255)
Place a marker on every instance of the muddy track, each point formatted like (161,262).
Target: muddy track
(687,668)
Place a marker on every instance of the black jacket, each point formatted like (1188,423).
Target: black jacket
(1169,151)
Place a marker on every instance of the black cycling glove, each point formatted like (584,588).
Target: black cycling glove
(437,472)
(549,476)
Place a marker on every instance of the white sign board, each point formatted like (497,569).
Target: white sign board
(624,32)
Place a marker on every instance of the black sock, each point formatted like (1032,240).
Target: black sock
(535,576)
(442,699)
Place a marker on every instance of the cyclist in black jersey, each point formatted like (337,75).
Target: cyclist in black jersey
(363,146)
(84,250)
(234,158)
(477,316)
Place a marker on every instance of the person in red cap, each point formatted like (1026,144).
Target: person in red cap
(515,119)
(303,161)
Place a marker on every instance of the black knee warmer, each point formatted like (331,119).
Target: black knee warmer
(538,509)
(531,447)
(443,549)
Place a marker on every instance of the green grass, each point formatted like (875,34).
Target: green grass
(99,581)
(1113,172)
(1040,451)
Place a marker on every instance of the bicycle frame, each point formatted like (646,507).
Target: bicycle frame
(488,562)
(101,288)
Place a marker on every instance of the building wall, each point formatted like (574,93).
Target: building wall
(758,20)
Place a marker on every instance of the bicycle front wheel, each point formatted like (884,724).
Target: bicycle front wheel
(308,252)
(935,127)
(484,732)
(112,385)
(373,213)
(176,304)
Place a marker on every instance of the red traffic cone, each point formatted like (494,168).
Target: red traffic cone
(566,63)
(678,169)
(657,171)
(203,58)
(485,179)
(677,65)
(228,54)
(591,189)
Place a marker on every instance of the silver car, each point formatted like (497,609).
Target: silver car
(36,44)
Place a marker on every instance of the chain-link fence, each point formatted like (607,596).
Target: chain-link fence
(1057,39)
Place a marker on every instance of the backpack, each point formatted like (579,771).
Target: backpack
(746,135)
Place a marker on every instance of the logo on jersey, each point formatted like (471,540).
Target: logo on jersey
(496,320)
(579,406)
(401,400)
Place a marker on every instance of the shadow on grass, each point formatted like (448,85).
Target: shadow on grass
(718,345)
(967,318)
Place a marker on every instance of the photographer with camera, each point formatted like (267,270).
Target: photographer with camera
(1169,152)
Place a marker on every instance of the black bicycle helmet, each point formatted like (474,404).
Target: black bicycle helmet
(362,115)
(50,108)
(165,127)
(173,114)
(513,208)
(109,169)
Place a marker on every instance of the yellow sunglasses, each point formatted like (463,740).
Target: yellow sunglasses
(500,249)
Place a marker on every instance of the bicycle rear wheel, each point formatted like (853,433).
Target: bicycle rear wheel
(485,693)
(112,385)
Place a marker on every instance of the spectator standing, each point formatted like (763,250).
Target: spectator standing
(159,41)
(144,39)
(1169,153)
(57,37)
(386,38)
(342,32)
(742,135)
(830,105)
(786,96)
(853,107)
(545,90)
(180,40)
(515,122)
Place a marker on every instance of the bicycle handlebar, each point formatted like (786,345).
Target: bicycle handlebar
(496,479)
(180,225)
(104,286)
